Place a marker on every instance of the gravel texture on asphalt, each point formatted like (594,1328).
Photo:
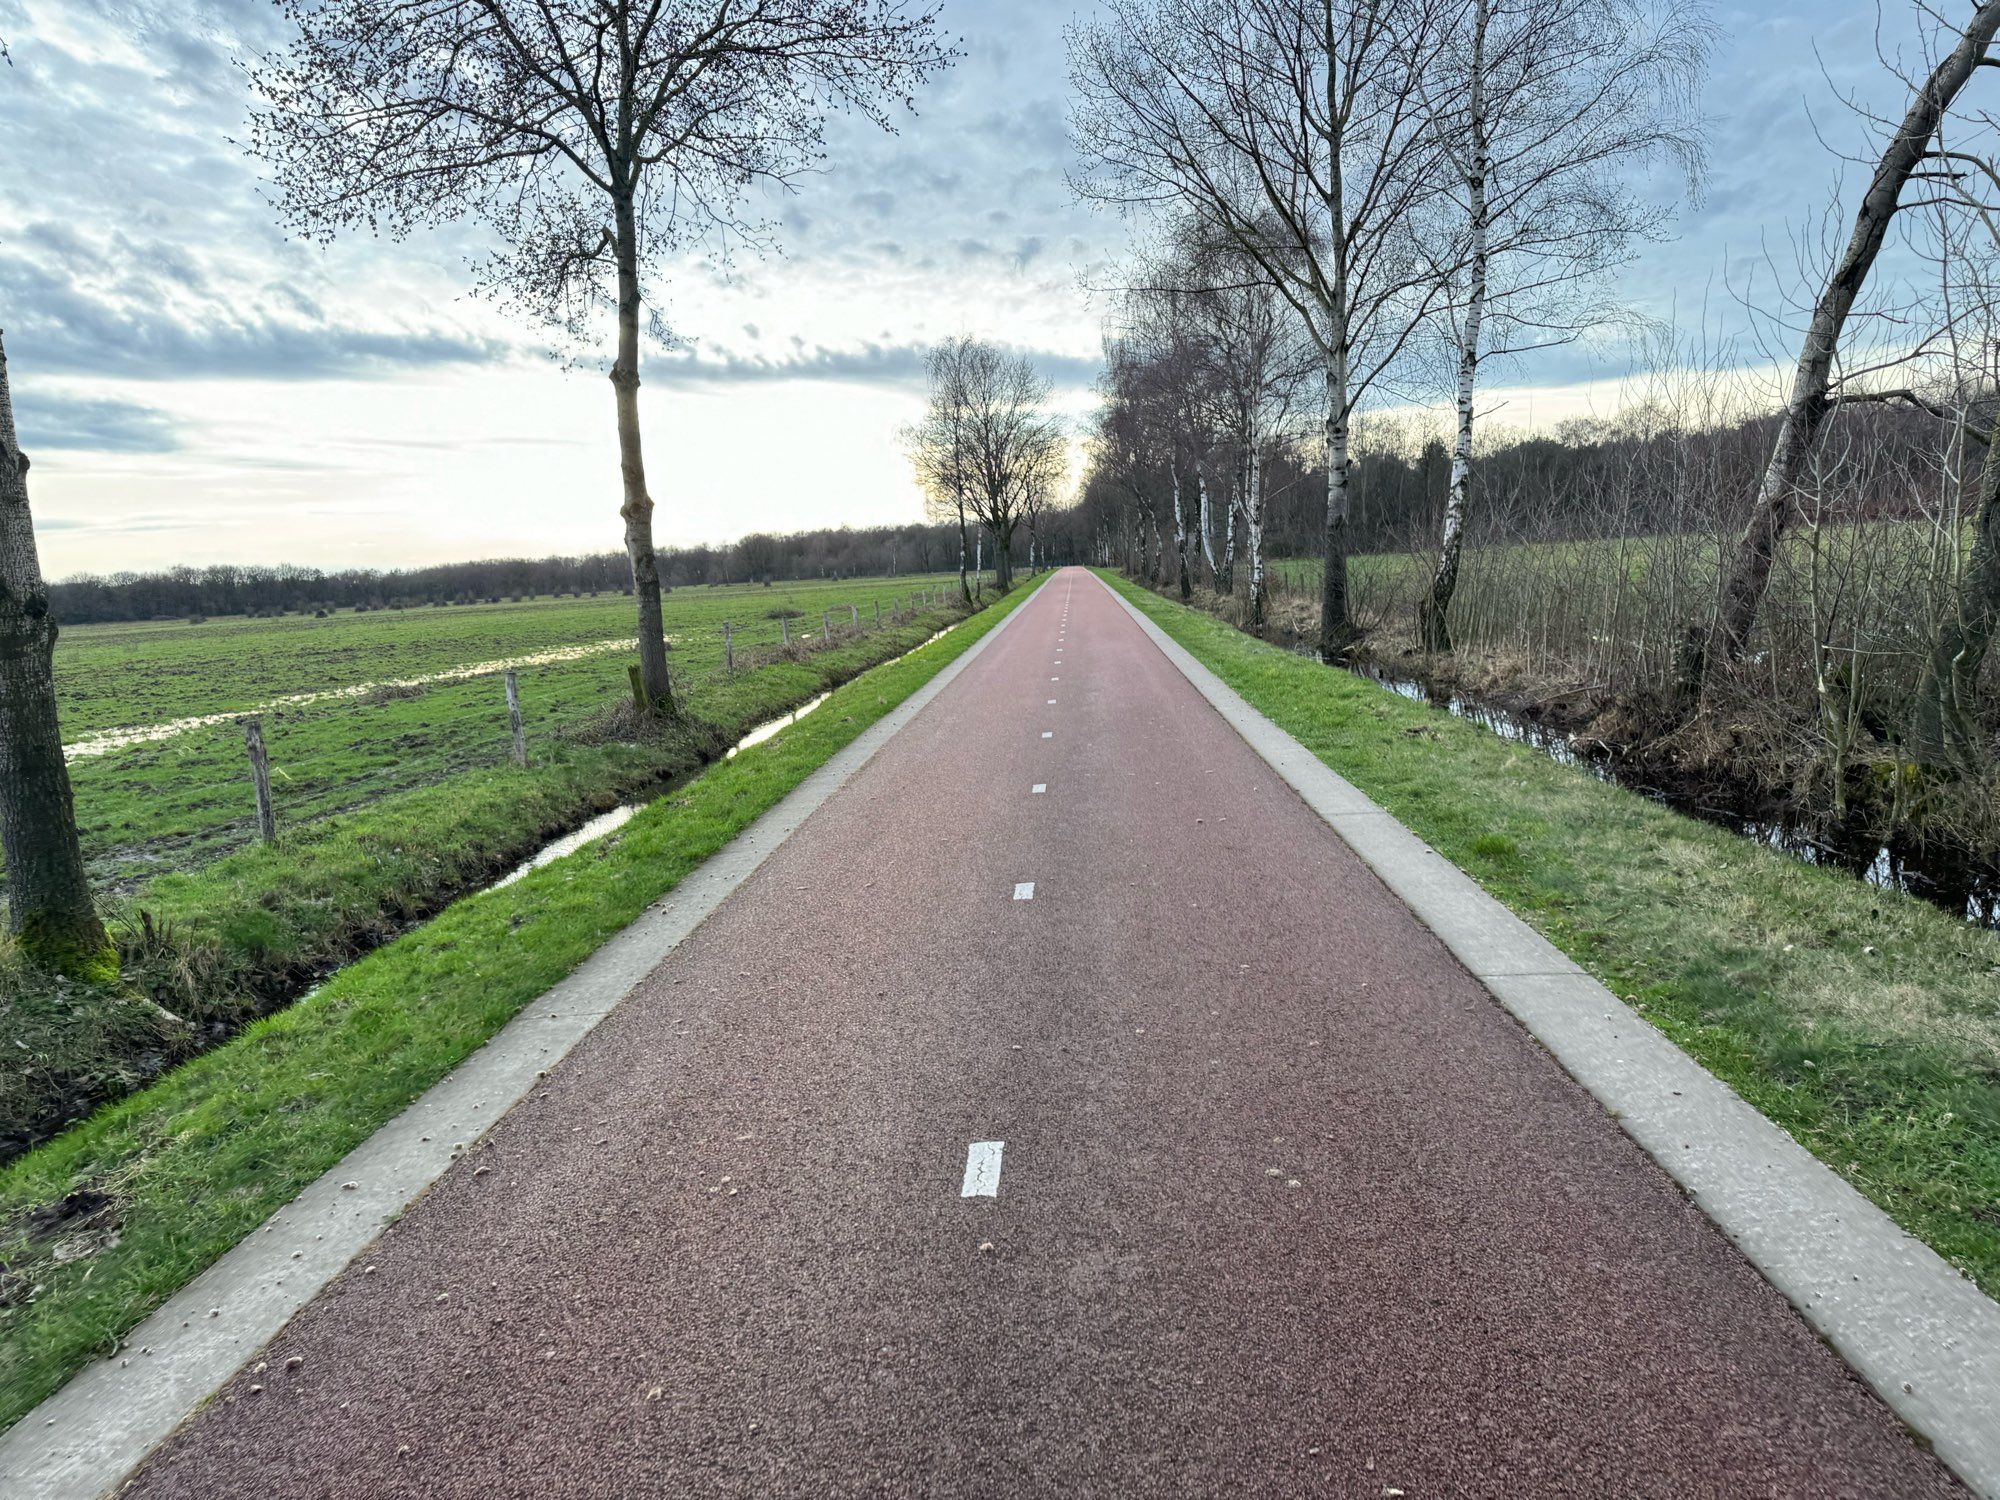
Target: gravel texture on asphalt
(1287,1205)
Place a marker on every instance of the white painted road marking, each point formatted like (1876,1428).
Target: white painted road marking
(982,1169)
(1040,787)
(1024,890)
(1052,703)
(1048,734)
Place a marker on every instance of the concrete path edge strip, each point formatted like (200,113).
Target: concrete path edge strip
(83,1441)
(1922,1335)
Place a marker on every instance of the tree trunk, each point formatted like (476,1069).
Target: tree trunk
(1181,540)
(1003,557)
(1253,536)
(1207,529)
(1749,573)
(1229,530)
(1336,629)
(48,893)
(964,552)
(1944,725)
(638,507)
(1433,616)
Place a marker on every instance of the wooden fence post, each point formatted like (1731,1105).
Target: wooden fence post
(513,688)
(785,629)
(854,616)
(728,651)
(260,777)
(639,698)
(825,625)
(878,614)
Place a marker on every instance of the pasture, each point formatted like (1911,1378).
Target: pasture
(177,802)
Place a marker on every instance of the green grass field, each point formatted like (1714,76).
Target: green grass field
(174,1175)
(176,803)
(1865,1022)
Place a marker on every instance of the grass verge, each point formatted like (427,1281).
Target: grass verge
(104,1223)
(1864,1022)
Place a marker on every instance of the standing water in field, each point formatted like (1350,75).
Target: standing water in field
(102,741)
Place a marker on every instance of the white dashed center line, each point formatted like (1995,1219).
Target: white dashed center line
(1048,734)
(1052,703)
(1024,890)
(982,1169)
(1040,787)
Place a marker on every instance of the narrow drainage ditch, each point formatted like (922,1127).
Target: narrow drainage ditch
(1954,879)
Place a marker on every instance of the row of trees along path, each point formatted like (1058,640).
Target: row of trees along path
(1417,182)
(1425,187)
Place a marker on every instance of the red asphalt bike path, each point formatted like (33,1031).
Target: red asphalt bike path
(1287,1204)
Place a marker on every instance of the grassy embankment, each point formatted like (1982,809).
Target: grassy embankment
(1864,1022)
(102,1224)
(389,803)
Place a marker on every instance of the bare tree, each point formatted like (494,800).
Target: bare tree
(1909,146)
(1296,129)
(592,139)
(1944,729)
(1126,443)
(1160,367)
(48,892)
(987,441)
(1261,368)
(940,450)
(1547,108)
(1944,719)
(1040,500)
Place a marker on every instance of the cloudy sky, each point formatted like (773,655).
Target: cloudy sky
(195,388)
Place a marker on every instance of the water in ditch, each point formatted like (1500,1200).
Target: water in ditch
(1953,879)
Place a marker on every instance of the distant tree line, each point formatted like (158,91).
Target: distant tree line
(232,589)
(1623,475)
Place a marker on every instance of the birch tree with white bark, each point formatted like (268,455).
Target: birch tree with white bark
(1911,144)
(593,140)
(1297,130)
(1263,370)
(1165,373)
(1551,112)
